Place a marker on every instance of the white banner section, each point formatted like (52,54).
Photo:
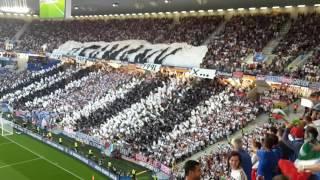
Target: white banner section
(138,51)
(151,67)
(203,73)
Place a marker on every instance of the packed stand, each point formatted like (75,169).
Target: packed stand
(46,85)
(79,93)
(79,119)
(311,70)
(147,86)
(8,28)
(24,78)
(149,113)
(301,38)
(212,120)
(242,35)
(192,30)
(271,150)
(55,33)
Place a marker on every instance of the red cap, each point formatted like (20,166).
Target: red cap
(297,132)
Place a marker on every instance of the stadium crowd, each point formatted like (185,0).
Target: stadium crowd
(193,30)
(8,28)
(78,93)
(227,50)
(168,118)
(268,151)
(299,41)
(311,70)
(46,85)
(24,78)
(242,35)
(149,113)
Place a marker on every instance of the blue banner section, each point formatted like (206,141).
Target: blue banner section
(38,64)
(259,57)
(125,178)
(5,107)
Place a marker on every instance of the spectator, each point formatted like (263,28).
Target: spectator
(192,170)
(286,151)
(268,160)
(256,146)
(295,141)
(234,161)
(246,163)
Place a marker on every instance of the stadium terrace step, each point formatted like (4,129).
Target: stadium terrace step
(22,30)
(216,32)
(274,42)
(299,61)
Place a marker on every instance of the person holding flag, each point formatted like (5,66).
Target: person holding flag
(308,160)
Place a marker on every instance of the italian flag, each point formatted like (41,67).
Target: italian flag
(278,114)
(307,156)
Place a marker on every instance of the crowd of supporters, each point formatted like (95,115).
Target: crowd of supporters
(311,70)
(13,80)
(193,30)
(302,36)
(147,112)
(299,41)
(152,114)
(165,117)
(78,93)
(242,35)
(270,151)
(8,28)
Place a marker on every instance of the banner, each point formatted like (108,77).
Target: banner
(300,82)
(225,74)
(306,103)
(286,80)
(238,74)
(55,55)
(154,165)
(203,73)
(315,85)
(165,169)
(22,114)
(276,79)
(93,141)
(151,67)
(83,58)
(249,77)
(138,51)
(5,107)
(259,57)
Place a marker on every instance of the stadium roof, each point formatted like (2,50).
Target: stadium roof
(99,7)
